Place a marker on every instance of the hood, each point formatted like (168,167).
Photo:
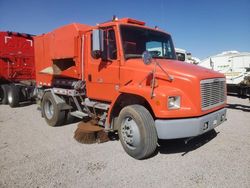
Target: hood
(185,83)
(176,68)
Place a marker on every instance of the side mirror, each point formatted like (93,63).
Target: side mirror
(97,43)
(180,56)
(147,57)
(211,63)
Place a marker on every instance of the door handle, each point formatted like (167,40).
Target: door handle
(90,78)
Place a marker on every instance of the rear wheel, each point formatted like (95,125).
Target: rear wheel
(51,111)
(137,131)
(4,93)
(1,94)
(14,96)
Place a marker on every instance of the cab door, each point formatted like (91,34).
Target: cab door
(102,76)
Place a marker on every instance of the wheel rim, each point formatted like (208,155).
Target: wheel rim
(49,109)
(10,98)
(130,133)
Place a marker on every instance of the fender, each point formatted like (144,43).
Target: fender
(158,103)
(59,101)
(143,92)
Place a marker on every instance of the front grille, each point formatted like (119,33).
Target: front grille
(213,92)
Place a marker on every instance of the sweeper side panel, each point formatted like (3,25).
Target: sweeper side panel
(59,54)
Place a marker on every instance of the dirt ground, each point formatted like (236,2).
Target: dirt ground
(33,154)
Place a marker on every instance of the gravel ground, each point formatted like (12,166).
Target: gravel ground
(33,154)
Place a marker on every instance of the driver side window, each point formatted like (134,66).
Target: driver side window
(110,48)
(109,45)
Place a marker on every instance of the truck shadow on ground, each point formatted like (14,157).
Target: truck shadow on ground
(179,145)
(21,104)
(241,107)
(26,103)
(69,121)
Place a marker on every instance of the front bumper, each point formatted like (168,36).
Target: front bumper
(189,127)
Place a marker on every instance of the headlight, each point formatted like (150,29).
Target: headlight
(174,102)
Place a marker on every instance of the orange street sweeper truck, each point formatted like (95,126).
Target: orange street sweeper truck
(126,75)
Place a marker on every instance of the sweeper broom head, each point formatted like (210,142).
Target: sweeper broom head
(89,132)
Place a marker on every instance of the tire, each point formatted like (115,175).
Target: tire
(51,112)
(1,94)
(137,131)
(14,96)
(4,93)
(23,96)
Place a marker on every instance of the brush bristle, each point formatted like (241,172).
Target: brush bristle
(89,133)
(85,137)
(102,136)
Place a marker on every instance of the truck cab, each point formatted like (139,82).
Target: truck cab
(183,55)
(131,80)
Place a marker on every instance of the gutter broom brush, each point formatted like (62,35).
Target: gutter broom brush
(90,133)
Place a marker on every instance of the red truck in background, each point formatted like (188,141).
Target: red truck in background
(126,75)
(17,68)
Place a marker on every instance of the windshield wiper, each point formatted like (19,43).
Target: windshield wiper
(160,57)
(129,56)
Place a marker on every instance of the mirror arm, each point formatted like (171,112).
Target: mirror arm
(140,83)
(170,78)
(153,80)
(163,70)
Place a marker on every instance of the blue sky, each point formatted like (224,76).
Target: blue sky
(203,27)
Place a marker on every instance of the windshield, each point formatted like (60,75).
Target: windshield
(136,40)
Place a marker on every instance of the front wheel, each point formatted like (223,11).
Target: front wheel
(137,131)
(51,111)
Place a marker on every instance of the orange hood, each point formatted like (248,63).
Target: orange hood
(176,68)
(185,83)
